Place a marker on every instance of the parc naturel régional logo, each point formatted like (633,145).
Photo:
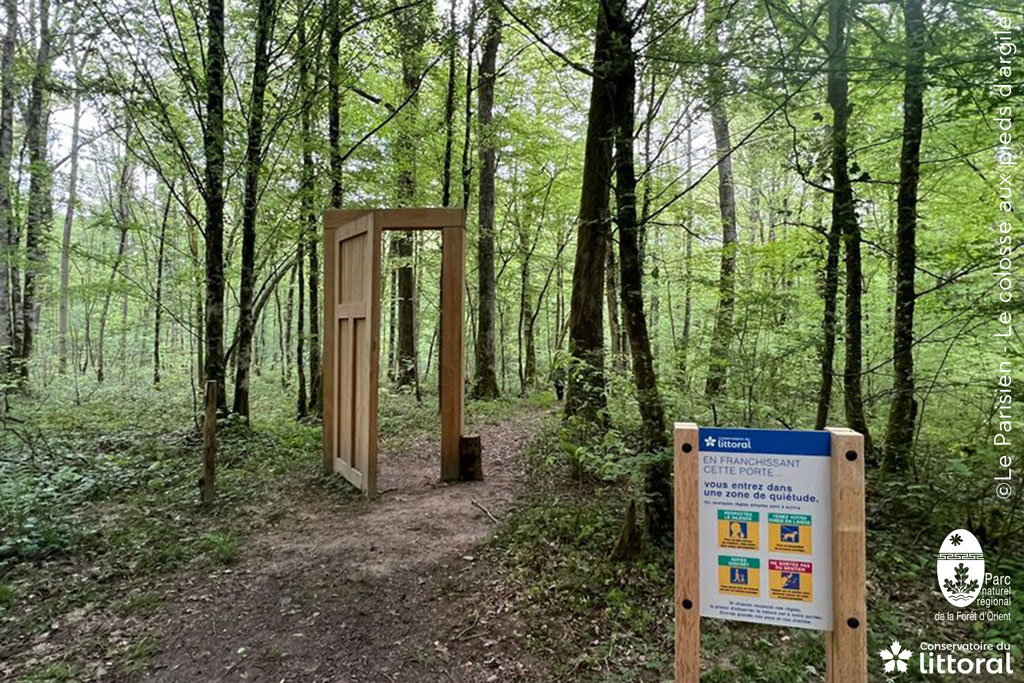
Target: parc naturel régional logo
(961,568)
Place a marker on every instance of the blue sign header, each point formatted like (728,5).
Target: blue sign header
(765,441)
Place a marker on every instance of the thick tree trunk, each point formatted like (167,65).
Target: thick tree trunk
(844,211)
(159,294)
(721,337)
(485,383)
(585,395)
(250,203)
(611,294)
(213,145)
(69,212)
(657,476)
(899,436)
(40,201)
(6,213)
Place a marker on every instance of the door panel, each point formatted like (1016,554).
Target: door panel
(350,367)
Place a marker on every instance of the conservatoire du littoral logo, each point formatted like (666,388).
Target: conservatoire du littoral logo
(961,568)
(895,658)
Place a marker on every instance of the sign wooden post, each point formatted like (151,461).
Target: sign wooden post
(687,607)
(846,645)
(770,528)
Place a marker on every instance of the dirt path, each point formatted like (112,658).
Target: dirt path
(384,590)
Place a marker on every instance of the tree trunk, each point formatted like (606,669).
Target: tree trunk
(611,293)
(213,144)
(899,436)
(159,295)
(657,476)
(467,168)
(721,338)
(844,211)
(585,395)
(449,108)
(193,245)
(69,213)
(250,203)
(411,29)
(6,212)
(486,382)
(527,316)
(302,405)
(829,324)
(122,246)
(334,104)
(316,402)
(40,201)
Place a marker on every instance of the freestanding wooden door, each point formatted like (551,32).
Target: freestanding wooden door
(352,310)
(351,337)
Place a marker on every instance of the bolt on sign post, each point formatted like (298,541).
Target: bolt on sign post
(769,529)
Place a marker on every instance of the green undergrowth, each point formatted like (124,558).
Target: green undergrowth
(99,497)
(599,620)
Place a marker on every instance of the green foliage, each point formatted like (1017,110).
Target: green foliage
(220,547)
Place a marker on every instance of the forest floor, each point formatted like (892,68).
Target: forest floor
(356,590)
(109,571)
(294,577)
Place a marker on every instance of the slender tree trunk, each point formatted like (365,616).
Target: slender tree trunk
(899,437)
(721,338)
(449,107)
(585,395)
(844,211)
(159,295)
(213,144)
(289,317)
(527,316)
(334,104)
(829,323)
(193,245)
(302,405)
(69,213)
(122,246)
(308,202)
(250,203)
(486,381)
(6,213)
(40,201)
(467,168)
(411,29)
(611,293)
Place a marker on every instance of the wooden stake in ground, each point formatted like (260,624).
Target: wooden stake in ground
(206,483)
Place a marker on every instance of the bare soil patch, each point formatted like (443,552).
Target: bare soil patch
(354,590)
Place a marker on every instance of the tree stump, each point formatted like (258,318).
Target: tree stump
(471,467)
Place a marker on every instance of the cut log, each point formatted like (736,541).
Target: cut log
(471,466)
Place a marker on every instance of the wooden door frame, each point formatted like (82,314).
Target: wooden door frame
(452,223)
